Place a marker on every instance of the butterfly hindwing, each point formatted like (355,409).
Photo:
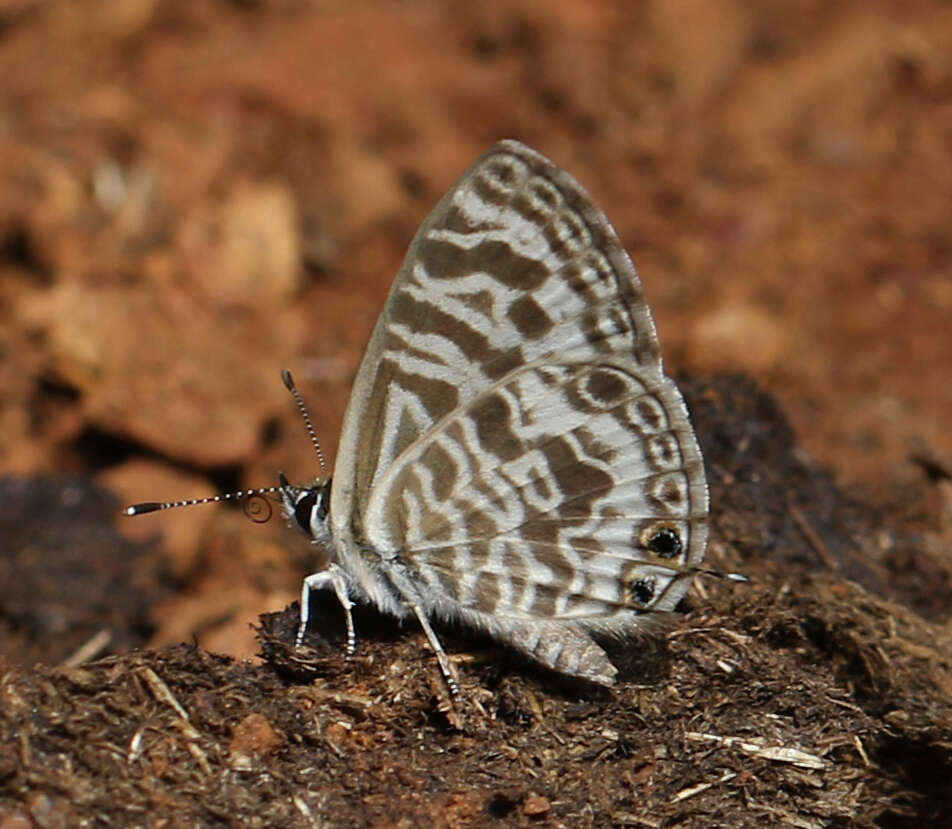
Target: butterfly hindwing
(541,497)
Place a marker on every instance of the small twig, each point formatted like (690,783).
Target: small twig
(812,538)
(691,791)
(780,754)
(90,649)
(340,697)
(161,692)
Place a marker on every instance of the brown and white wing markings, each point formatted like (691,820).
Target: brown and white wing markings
(511,439)
(541,497)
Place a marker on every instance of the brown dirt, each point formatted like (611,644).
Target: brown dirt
(198,194)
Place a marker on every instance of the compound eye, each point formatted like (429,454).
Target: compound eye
(303,509)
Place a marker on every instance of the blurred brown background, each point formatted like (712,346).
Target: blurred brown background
(195,195)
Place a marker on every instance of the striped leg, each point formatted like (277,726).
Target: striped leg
(331,577)
(408,593)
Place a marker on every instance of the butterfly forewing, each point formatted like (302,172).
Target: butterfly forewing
(511,438)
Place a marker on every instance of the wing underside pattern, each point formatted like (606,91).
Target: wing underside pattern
(540,497)
(512,442)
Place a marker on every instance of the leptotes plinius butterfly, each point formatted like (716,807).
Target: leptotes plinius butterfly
(513,456)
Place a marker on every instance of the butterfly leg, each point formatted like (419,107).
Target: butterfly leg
(449,672)
(409,596)
(331,577)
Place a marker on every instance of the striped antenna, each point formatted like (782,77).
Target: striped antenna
(289,382)
(155,506)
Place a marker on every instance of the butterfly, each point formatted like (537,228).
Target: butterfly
(513,457)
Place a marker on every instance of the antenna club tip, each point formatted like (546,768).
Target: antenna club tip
(287,379)
(141,509)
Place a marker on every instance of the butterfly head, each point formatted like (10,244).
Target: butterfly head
(307,507)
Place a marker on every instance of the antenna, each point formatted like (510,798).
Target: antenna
(289,383)
(155,506)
